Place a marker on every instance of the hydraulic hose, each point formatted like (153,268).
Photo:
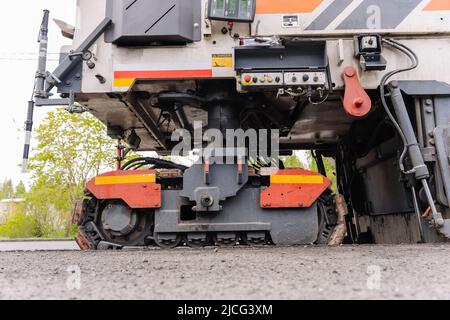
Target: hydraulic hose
(156,163)
(415,63)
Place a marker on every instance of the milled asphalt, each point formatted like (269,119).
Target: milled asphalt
(348,272)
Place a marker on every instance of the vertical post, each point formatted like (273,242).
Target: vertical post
(119,155)
(42,61)
(39,89)
(28,130)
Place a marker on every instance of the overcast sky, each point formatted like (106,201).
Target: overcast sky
(19,27)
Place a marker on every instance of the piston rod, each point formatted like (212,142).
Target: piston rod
(420,169)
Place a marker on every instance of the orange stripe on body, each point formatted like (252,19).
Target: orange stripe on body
(286,6)
(297,179)
(129,179)
(163,74)
(438,5)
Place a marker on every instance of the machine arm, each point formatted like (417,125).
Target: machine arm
(46,81)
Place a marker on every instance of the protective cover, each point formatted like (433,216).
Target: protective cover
(154,22)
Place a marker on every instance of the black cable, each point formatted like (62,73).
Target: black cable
(157,163)
(415,63)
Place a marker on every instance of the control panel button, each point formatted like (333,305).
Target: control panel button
(305,78)
(262,79)
(248,78)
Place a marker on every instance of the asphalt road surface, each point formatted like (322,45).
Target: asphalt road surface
(37,245)
(350,272)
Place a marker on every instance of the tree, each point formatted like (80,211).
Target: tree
(7,189)
(71,149)
(20,190)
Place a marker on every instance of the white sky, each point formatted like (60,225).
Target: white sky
(19,26)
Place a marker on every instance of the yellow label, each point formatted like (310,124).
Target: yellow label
(222,61)
(295,179)
(123,82)
(138,178)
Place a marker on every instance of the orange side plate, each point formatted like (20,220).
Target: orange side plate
(138,189)
(295,188)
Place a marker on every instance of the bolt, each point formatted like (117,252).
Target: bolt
(358,102)
(350,72)
(428,102)
(429,110)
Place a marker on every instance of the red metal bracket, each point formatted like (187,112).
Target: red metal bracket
(294,188)
(82,242)
(138,189)
(356,101)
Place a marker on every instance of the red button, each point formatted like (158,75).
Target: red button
(248,78)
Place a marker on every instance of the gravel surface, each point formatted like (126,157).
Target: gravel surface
(350,272)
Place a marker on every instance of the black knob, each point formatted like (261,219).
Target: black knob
(294,79)
(277,79)
(305,77)
(255,79)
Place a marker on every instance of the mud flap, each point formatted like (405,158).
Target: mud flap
(442,142)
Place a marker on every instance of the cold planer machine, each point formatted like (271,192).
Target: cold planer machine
(327,75)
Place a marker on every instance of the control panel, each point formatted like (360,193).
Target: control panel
(284,79)
(305,78)
(256,79)
(298,68)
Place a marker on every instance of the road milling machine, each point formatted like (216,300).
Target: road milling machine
(365,83)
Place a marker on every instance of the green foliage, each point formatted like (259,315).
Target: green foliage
(19,225)
(21,190)
(292,162)
(7,189)
(71,150)
(330,169)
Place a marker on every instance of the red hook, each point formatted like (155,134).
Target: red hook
(356,101)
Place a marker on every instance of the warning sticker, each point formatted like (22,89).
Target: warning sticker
(222,61)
